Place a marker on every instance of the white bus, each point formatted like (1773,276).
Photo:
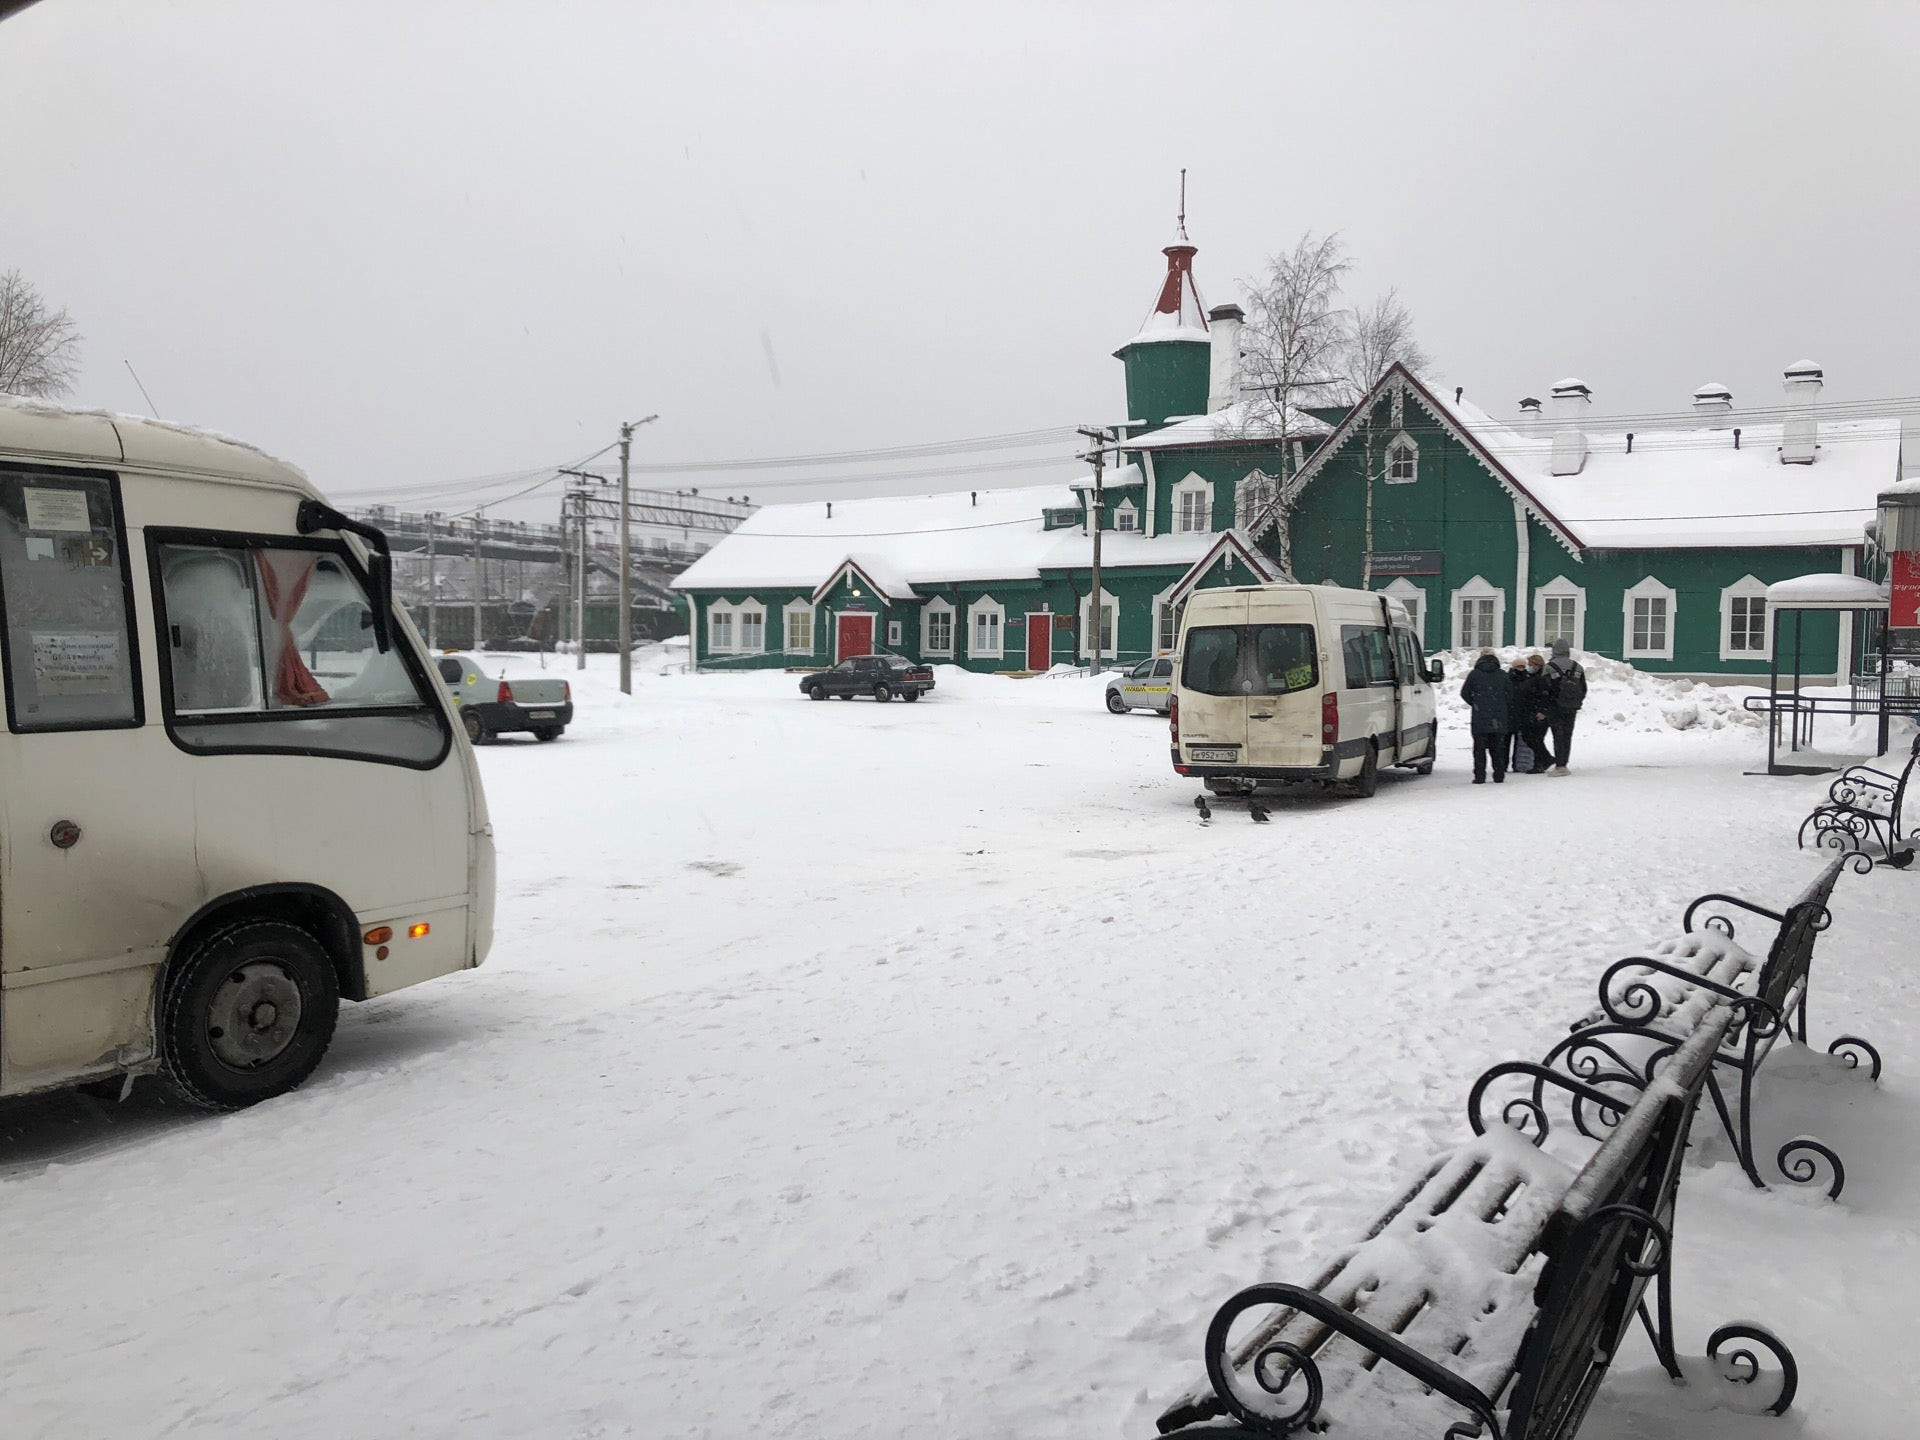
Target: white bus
(232,792)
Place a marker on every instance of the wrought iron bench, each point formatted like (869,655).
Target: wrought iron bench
(1502,1282)
(1650,1003)
(1863,805)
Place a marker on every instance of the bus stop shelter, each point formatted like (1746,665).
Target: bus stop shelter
(1869,691)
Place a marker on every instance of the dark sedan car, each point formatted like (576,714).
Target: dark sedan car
(881,676)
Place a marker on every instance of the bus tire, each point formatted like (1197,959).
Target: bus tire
(248,1013)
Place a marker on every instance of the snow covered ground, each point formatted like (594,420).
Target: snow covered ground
(848,1070)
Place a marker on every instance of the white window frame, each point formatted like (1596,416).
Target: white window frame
(936,607)
(1107,597)
(1126,517)
(1648,589)
(1193,485)
(1386,469)
(750,610)
(1162,608)
(1479,588)
(894,632)
(986,605)
(1254,492)
(716,612)
(1745,588)
(796,610)
(1560,588)
(1415,599)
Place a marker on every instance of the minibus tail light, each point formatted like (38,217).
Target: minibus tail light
(1330,717)
(505,697)
(1173,717)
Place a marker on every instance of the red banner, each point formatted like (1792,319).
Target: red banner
(1905,610)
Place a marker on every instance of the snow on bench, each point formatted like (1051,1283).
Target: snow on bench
(1864,804)
(1502,1279)
(1650,1003)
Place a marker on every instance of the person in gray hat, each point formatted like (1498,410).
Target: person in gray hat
(1566,693)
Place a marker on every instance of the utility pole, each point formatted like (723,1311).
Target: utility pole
(1095,508)
(479,631)
(433,589)
(580,607)
(626,571)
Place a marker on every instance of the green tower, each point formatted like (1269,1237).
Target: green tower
(1167,362)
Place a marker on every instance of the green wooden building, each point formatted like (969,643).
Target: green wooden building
(1654,546)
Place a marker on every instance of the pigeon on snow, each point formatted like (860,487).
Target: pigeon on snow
(1200,804)
(1258,811)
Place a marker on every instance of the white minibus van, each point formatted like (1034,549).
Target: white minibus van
(232,792)
(1282,683)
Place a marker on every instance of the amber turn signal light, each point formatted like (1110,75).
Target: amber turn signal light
(379,935)
(415,932)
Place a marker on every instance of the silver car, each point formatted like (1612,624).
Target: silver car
(1147,686)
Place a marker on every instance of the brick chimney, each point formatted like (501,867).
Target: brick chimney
(1572,402)
(1800,436)
(1223,372)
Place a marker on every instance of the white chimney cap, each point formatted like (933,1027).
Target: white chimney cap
(1713,390)
(1571,387)
(1804,370)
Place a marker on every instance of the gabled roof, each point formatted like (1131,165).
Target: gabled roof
(1230,542)
(1399,374)
(876,571)
(1680,488)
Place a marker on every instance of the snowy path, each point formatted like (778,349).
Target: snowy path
(858,1070)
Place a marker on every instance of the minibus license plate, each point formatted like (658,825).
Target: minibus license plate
(1214,752)
(540,715)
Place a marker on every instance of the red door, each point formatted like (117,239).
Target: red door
(855,637)
(1039,640)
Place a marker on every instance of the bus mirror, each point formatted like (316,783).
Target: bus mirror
(315,515)
(1436,672)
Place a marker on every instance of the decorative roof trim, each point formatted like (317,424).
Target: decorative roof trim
(852,565)
(1399,377)
(1231,542)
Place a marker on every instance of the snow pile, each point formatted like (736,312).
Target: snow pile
(1619,696)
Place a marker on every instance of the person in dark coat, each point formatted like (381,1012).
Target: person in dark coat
(1518,713)
(1530,712)
(1490,694)
(1567,692)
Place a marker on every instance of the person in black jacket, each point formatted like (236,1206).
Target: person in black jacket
(1530,712)
(1519,713)
(1490,694)
(1566,693)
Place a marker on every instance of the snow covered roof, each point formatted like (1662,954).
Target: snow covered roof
(1239,423)
(1827,592)
(1691,488)
(1121,477)
(904,544)
(1178,311)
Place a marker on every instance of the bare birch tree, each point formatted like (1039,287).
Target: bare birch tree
(1381,336)
(39,344)
(1293,346)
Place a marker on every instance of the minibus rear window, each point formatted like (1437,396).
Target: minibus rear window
(70,661)
(1212,665)
(1250,659)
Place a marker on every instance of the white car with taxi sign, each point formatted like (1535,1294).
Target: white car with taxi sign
(1147,686)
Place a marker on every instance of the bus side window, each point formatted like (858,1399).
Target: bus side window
(70,653)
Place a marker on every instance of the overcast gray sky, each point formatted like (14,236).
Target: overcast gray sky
(406,242)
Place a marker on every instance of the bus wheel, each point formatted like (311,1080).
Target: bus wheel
(248,1014)
(1368,780)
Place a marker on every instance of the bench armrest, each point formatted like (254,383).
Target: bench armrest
(1726,928)
(1278,1365)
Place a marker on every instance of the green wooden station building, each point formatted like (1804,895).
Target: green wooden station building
(1654,546)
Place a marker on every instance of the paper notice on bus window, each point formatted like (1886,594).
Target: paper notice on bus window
(81,662)
(57,510)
